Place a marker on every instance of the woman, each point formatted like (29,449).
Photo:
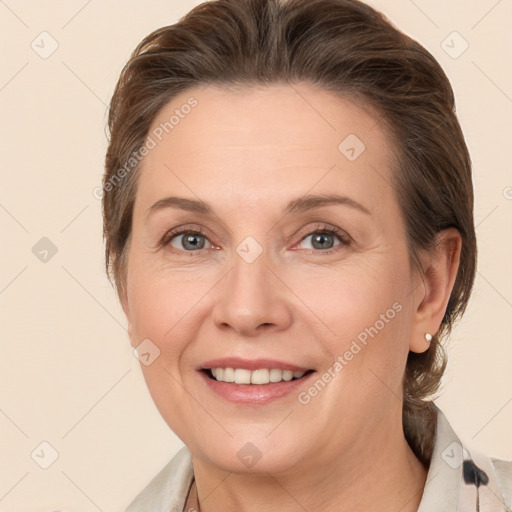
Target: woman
(288,215)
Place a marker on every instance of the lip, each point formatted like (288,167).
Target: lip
(251,364)
(252,394)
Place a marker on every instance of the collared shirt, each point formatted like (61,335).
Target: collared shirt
(458,480)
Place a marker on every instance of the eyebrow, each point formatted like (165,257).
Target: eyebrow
(299,205)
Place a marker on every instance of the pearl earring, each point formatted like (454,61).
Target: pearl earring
(428,337)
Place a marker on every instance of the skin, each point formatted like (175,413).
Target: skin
(247,153)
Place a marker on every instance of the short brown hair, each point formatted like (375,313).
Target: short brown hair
(343,46)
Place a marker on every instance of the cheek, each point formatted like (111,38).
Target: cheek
(360,312)
(162,311)
(162,301)
(351,297)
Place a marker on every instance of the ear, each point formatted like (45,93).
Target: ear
(432,295)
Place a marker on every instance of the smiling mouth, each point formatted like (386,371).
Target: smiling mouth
(260,377)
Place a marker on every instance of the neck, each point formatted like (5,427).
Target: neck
(382,470)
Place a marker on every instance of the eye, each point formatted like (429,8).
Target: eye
(323,239)
(188,240)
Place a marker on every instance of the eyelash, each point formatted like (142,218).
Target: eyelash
(344,239)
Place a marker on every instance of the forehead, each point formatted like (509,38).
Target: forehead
(279,140)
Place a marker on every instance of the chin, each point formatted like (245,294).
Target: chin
(250,457)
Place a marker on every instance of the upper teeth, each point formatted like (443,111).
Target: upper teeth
(263,376)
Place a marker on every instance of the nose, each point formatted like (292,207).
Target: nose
(252,299)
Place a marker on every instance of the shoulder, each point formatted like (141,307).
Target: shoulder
(169,488)
(463,479)
(503,471)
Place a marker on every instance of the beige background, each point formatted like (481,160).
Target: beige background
(68,375)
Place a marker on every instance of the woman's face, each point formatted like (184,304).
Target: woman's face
(266,278)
